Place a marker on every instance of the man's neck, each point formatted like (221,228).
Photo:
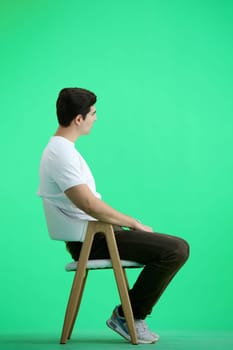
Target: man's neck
(67,133)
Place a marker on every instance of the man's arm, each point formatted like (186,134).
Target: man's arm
(83,198)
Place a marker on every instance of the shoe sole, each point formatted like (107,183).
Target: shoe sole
(114,326)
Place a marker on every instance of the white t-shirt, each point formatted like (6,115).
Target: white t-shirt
(61,168)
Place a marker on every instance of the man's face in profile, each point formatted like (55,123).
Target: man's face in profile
(89,120)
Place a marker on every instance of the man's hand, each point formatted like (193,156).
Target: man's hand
(141,227)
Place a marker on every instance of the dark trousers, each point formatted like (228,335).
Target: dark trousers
(163,255)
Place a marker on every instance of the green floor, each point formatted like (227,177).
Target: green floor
(108,340)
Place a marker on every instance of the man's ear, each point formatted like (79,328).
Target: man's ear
(78,119)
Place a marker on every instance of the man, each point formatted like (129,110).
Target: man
(67,182)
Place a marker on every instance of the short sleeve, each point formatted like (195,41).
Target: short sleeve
(67,170)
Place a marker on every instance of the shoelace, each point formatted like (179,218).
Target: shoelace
(141,326)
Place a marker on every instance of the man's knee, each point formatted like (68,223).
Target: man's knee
(182,250)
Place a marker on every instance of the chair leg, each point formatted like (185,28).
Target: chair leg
(73,302)
(77,287)
(126,305)
(78,305)
(126,279)
(121,284)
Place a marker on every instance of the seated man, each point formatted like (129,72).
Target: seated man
(67,182)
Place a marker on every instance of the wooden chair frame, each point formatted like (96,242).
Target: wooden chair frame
(81,276)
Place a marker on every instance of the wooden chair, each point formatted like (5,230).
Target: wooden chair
(81,271)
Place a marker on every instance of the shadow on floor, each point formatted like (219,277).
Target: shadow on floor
(100,340)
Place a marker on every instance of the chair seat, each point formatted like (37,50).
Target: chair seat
(102,264)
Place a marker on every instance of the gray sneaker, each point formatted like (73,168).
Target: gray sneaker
(118,324)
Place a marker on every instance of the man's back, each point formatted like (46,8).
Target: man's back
(63,167)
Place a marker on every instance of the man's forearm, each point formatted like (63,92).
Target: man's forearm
(84,199)
(103,212)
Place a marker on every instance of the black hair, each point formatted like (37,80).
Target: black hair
(73,101)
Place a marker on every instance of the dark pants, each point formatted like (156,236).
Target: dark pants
(162,255)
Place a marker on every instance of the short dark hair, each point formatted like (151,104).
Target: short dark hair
(73,101)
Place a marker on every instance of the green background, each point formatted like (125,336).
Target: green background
(161,149)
